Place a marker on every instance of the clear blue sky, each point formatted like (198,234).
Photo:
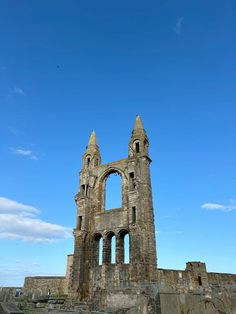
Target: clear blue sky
(68,67)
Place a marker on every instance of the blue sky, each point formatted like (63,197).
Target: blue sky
(68,67)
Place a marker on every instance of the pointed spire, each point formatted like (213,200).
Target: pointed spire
(91,157)
(138,123)
(93,139)
(138,144)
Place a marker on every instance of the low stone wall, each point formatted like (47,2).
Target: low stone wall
(38,286)
(194,277)
(189,291)
(9,293)
(221,279)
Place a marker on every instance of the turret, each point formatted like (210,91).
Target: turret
(138,145)
(92,157)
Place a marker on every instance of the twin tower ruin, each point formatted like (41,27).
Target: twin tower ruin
(92,266)
(100,275)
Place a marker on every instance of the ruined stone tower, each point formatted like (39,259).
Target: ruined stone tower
(135,218)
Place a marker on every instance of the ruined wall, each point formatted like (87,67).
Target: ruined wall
(221,279)
(138,287)
(135,219)
(69,270)
(189,291)
(194,291)
(9,293)
(198,303)
(195,276)
(38,286)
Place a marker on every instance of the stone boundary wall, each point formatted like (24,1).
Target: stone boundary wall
(38,286)
(221,279)
(192,278)
(9,293)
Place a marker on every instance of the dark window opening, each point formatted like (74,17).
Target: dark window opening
(137,147)
(200,281)
(88,162)
(83,189)
(96,162)
(79,222)
(132,180)
(134,215)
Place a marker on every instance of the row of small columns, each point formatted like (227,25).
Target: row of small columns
(106,252)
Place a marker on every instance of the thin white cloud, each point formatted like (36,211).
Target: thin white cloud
(220,207)
(15,91)
(15,227)
(179,25)
(18,91)
(13,207)
(24,152)
(20,222)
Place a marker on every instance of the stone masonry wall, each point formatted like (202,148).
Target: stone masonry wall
(9,293)
(38,286)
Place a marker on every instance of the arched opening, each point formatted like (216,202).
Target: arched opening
(123,247)
(136,146)
(113,191)
(113,249)
(98,249)
(126,249)
(87,161)
(110,249)
(100,245)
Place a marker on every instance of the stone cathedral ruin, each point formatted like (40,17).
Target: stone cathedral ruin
(95,281)
(134,218)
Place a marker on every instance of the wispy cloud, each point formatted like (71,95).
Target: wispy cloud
(12,207)
(15,91)
(179,25)
(220,207)
(15,131)
(19,221)
(18,91)
(24,152)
